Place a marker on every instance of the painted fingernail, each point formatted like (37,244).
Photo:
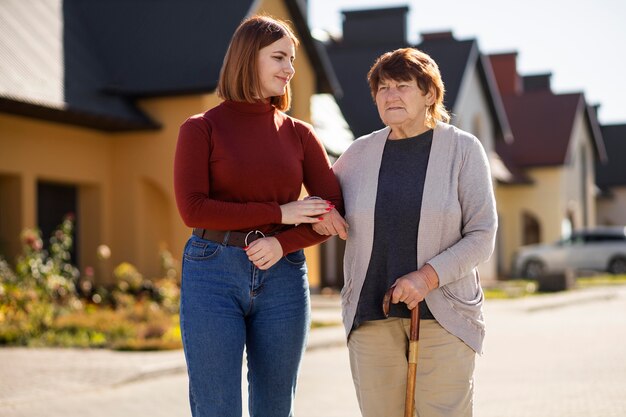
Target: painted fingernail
(329,209)
(246,248)
(320,218)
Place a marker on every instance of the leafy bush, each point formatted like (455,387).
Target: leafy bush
(46,301)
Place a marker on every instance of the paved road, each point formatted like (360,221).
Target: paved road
(561,359)
(553,356)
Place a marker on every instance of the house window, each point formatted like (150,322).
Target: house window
(54,202)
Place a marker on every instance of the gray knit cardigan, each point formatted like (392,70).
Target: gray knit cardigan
(456,230)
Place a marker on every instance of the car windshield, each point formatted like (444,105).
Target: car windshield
(580,238)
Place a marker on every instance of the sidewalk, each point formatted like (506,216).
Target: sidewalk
(42,373)
(27,373)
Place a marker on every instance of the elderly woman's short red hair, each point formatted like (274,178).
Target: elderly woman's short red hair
(407,64)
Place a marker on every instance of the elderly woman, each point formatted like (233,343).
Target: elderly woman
(420,205)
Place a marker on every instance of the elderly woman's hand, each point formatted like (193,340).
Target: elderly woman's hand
(332,225)
(413,287)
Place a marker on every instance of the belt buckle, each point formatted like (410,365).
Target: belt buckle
(256,232)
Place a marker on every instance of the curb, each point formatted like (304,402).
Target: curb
(590,298)
(155,371)
(334,335)
(563,299)
(319,339)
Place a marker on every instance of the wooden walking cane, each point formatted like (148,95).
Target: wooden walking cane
(409,403)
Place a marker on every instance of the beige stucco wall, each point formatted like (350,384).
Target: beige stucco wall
(544,200)
(34,151)
(124,181)
(146,215)
(612,211)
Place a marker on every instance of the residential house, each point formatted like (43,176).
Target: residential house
(611,178)
(471,92)
(92,94)
(557,144)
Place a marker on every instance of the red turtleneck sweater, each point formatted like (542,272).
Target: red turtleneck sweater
(238,162)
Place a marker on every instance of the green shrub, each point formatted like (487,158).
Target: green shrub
(47,302)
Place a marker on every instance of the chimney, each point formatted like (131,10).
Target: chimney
(595,108)
(375,26)
(537,82)
(505,70)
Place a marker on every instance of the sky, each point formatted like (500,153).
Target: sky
(581,42)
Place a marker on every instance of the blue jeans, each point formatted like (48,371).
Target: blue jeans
(226,304)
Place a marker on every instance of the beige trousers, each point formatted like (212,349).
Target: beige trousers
(378,360)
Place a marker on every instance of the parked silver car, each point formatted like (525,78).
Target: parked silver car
(599,249)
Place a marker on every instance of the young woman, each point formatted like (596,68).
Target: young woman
(239,171)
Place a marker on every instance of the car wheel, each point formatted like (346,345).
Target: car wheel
(617,266)
(533,269)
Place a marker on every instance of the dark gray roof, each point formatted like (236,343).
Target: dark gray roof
(353,56)
(613,172)
(351,65)
(358,26)
(155,47)
(453,57)
(87,61)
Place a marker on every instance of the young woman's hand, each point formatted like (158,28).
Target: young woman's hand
(305,211)
(332,225)
(264,252)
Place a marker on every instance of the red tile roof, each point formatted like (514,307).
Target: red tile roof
(542,123)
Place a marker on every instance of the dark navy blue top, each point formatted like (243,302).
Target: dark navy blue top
(396,222)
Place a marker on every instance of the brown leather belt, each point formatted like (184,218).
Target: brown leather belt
(240,239)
